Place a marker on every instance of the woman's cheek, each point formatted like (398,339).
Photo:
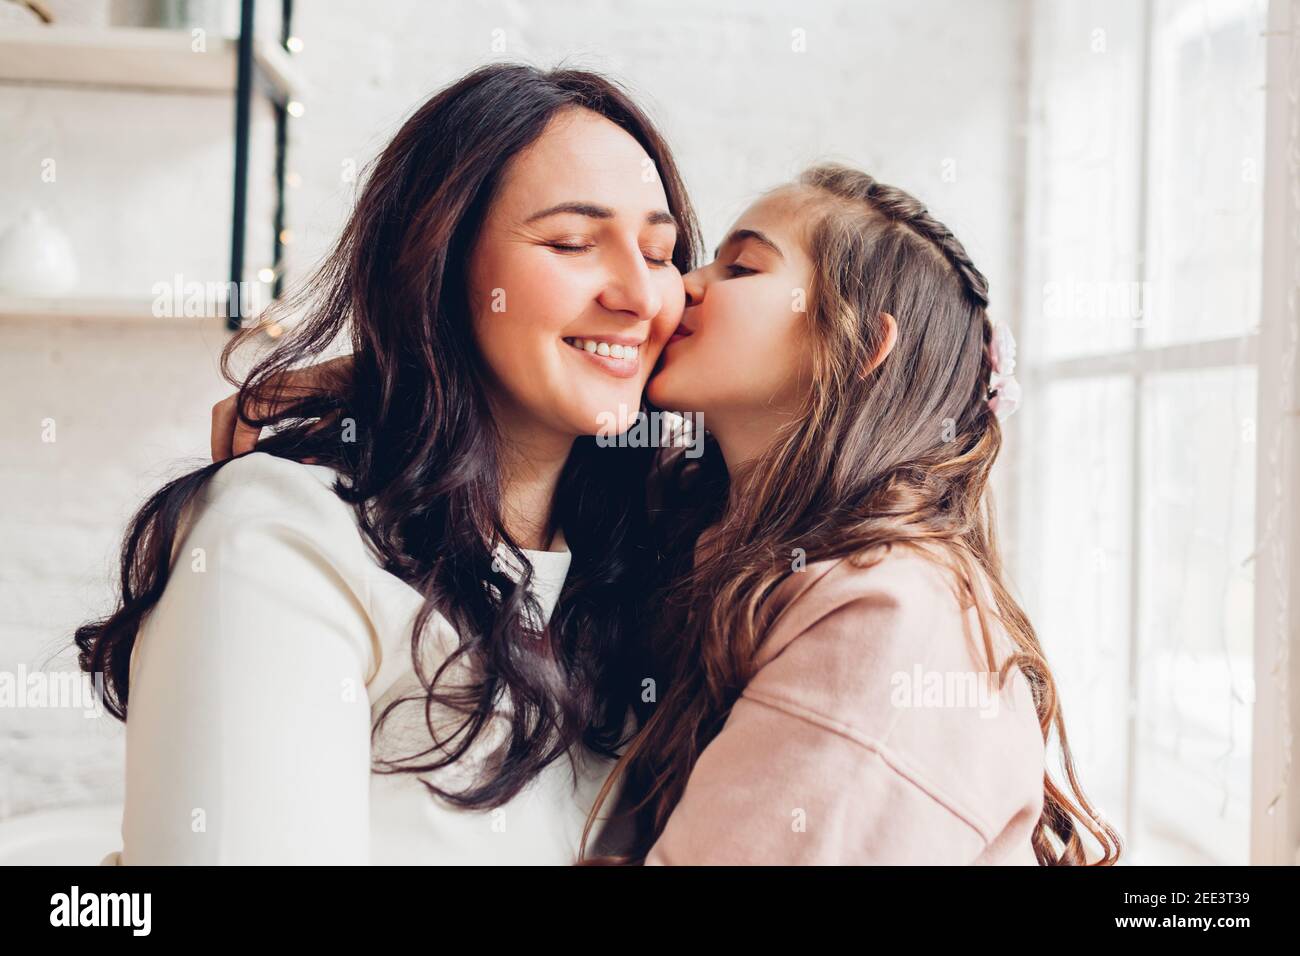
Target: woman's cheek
(674,309)
(534,292)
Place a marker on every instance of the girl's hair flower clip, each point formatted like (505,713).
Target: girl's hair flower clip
(1004,389)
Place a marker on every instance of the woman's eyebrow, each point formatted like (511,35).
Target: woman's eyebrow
(595,211)
(740,235)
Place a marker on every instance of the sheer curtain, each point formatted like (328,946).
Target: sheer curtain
(1139,447)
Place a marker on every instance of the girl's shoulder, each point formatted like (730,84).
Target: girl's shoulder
(890,655)
(898,595)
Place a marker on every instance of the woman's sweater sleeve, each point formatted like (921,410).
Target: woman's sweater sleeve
(816,763)
(248,723)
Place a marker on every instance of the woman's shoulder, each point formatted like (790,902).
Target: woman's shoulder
(258,499)
(258,482)
(259,492)
(265,551)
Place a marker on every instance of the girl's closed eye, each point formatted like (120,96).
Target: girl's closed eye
(736,270)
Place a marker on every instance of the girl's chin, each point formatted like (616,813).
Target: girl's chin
(662,394)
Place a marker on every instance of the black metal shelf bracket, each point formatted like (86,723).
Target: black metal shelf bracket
(247,76)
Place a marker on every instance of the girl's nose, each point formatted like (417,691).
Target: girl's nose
(693,283)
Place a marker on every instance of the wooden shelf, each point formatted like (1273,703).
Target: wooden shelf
(106,310)
(136,59)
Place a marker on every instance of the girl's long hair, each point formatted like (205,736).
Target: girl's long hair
(899,457)
(420,464)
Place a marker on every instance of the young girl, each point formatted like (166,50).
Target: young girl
(842,674)
(457,566)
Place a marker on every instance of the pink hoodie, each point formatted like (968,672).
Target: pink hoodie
(871,733)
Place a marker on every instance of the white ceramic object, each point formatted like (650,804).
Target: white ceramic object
(36,258)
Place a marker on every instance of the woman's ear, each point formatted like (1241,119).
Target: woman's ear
(887,345)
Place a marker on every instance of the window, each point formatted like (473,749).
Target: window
(1136,455)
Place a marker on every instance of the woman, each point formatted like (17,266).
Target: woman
(458,562)
(844,675)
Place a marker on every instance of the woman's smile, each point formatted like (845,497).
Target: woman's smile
(617,355)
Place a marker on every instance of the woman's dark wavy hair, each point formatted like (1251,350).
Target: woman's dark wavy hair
(422,471)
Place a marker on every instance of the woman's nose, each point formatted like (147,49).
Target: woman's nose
(632,289)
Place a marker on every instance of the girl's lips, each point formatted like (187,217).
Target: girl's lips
(677,336)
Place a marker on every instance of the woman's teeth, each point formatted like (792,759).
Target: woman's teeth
(597,347)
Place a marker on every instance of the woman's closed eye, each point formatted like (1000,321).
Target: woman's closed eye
(653,256)
(570,248)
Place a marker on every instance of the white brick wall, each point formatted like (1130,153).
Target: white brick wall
(910,90)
